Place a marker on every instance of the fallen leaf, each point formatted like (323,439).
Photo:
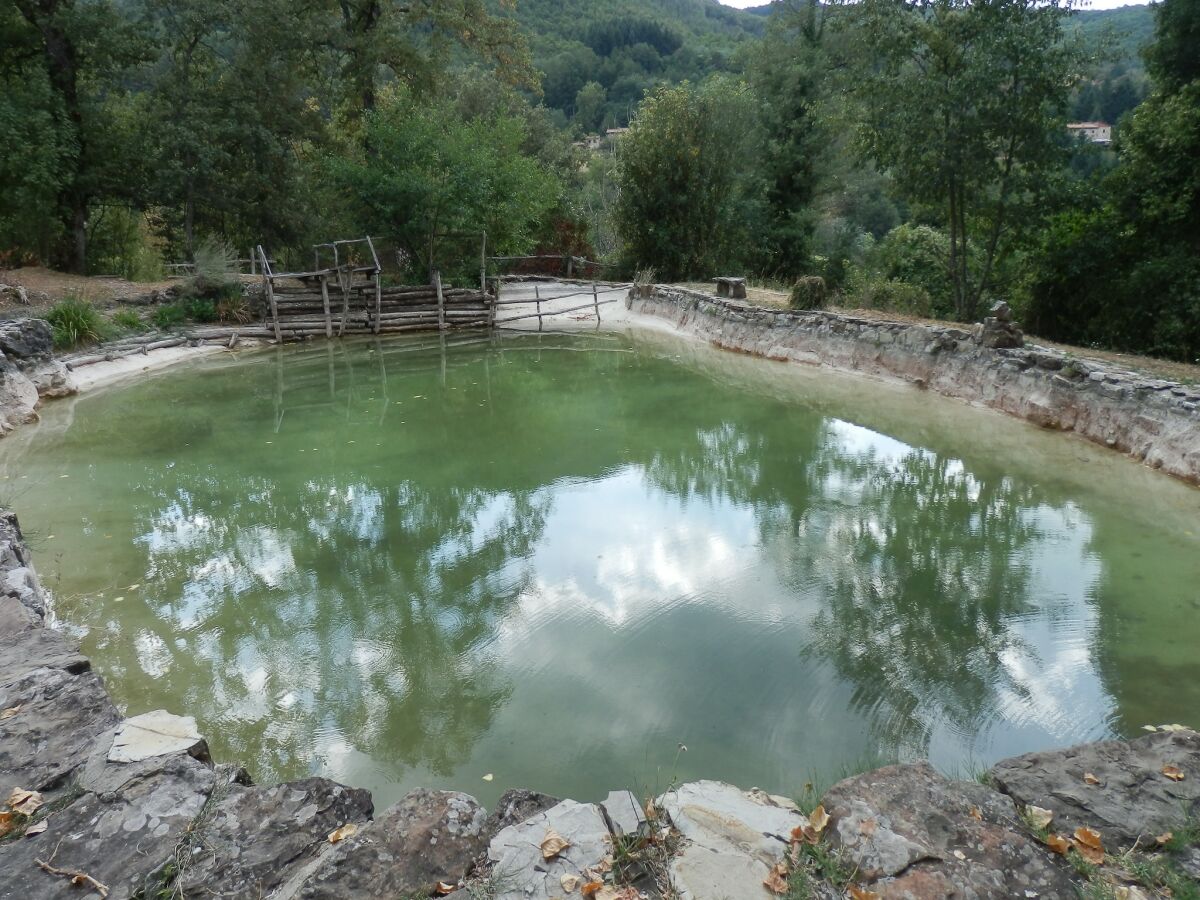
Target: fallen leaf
(867,827)
(443,888)
(1087,842)
(1149,728)
(1058,844)
(488,777)
(10,712)
(1089,778)
(553,844)
(340,834)
(776,881)
(1173,772)
(591,888)
(1165,838)
(1039,817)
(818,819)
(958,854)
(37,829)
(8,821)
(24,802)
(1175,727)
(857,893)
(805,834)
(569,883)
(1130,892)
(976,814)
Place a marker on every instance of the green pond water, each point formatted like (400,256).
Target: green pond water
(555,559)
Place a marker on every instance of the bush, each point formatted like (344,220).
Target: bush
(169,315)
(808,293)
(128,320)
(200,310)
(216,273)
(917,255)
(896,296)
(75,321)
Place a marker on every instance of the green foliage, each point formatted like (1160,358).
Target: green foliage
(200,309)
(873,292)
(808,293)
(427,173)
(962,102)
(215,272)
(75,321)
(689,190)
(917,255)
(129,321)
(169,315)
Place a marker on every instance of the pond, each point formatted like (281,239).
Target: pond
(554,561)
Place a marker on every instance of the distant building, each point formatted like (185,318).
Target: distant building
(1092,132)
(613,133)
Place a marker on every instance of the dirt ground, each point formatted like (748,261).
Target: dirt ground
(1155,368)
(103,292)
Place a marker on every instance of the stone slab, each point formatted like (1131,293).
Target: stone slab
(911,833)
(156,733)
(123,840)
(429,836)
(1133,799)
(702,873)
(252,840)
(39,648)
(624,813)
(722,817)
(519,870)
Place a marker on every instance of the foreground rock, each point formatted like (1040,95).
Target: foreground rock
(1128,799)
(521,870)
(733,837)
(27,372)
(910,833)
(426,838)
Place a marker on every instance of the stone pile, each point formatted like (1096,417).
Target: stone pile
(998,331)
(27,371)
(104,807)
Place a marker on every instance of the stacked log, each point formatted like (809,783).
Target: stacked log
(415,308)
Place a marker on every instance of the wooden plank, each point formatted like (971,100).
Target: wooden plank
(325,302)
(441,301)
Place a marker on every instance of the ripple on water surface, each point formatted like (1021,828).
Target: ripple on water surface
(399,564)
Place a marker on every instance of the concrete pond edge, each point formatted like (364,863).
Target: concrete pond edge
(107,806)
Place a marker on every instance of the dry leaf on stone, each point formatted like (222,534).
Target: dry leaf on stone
(1089,778)
(1087,842)
(37,829)
(8,821)
(1058,844)
(818,819)
(553,844)
(628,893)
(776,881)
(805,834)
(976,814)
(867,827)
(591,889)
(858,893)
(959,855)
(569,883)
(1173,772)
(24,802)
(1165,838)
(1039,817)
(444,887)
(340,834)
(10,712)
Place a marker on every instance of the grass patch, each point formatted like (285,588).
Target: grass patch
(128,321)
(170,315)
(75,321)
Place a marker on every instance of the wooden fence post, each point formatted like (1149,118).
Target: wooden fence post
(537,296)
(596,303)
(441,300)
(483,265)
(325,301)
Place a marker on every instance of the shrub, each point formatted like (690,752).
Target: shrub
(216,273)
(75,321)
(883,293)
(200,310)
(234,309)
(808,293)
(169,315)
(917,255)
(128,320)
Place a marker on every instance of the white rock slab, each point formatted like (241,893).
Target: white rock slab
(725,818)
(153,734)
(625,814)
(520,872)
(700,873)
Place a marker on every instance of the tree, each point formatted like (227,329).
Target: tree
(590,104)
(962,102)
(688,179)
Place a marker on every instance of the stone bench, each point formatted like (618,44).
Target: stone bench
(733,288)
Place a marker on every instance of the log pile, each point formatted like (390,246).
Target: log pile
(307,310)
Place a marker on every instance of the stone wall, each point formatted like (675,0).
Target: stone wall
(1156,422)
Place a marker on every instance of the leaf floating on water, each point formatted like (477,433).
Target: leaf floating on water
(553,844)
(488,777)
(1088,844)
(859,893)
(569,883)
(444,887)
(340,834)
(10,712)
(1039,817)
(1175,727)
(1058,844)
(818,819)
(1150,728)
(1089,778)
(1173,772)
(776,881)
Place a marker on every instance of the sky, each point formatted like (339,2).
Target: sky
(1095,4)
